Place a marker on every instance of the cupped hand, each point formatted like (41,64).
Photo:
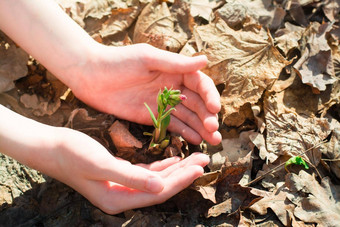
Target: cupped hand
(115,185)
(118,80)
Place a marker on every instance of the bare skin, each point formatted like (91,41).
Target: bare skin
(116,80)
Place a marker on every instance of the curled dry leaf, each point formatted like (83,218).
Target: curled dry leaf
(315,67)
(235,14)
(318,203)
(268,14)
(332,149)
(230,194)
(294,96)
(203,8)
(271,178)
(218,181)
(167,29)
(119,20)
(13,63)
(232,150)
(264,12)
(331,9)
(278,202)
(291,134)
(258,140)
(244,61)
(39,105)
(297,13)
(287,38)
(123,140)
(78,10)
(95,126)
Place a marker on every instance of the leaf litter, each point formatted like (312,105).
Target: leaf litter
(277,67)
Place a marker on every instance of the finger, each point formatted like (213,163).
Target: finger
(189,134)
(204,86)
(194,159)
(113,198)
(195,103)
(124,173)
(165,61)
(191,122)
(162,164)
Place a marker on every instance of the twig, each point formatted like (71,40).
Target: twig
(281,165)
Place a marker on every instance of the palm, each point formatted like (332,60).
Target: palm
(129,76)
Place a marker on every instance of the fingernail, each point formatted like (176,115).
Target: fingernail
(154,185)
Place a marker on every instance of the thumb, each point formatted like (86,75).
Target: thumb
(165,61)
(132,176)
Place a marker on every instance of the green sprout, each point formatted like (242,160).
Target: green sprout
(165,98)
(297,160)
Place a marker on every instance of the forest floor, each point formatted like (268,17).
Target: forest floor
(276,64)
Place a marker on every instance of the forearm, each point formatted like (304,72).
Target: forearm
(47,33)
(26,140)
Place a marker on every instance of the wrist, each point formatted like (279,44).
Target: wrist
(26,140)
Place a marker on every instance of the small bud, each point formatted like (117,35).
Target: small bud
(183,97)
(175,99)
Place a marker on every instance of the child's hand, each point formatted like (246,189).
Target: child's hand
(115,185)
(119,80)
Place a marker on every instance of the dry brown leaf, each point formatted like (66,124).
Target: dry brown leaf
(297,13)
(78,10)
(332,149)
(167,29)
(259,118)
(203,8)
(283,83)
(244,61)
(234,13)
(291,134)
(331,9)
(315,66)
(119,20)
(314,202)
(39,105)
(218,181)
(13,63)
(94,126)
(232,150)
(236,197)
(123,140)
(272,178)
(267,14)
(258,140)
(287,38)
(278,202)
(294,96)
(230,194)
(206,185)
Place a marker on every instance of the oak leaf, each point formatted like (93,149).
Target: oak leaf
(278,202)
(315,66)
(244,61)
(203,8)
(164,27)
(318,203)
(287,38)
(291,134)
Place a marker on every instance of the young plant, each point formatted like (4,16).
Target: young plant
(297,160)
(165,98)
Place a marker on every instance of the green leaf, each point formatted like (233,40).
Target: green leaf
(152,116)
(297,160)
(167,113)
(147,134)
